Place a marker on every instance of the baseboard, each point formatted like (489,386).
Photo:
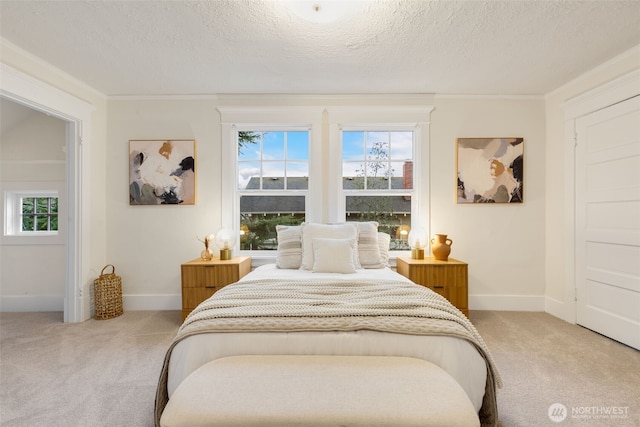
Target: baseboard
(22,303)
(174,302)
(560,309)
(151,302)
(506,302)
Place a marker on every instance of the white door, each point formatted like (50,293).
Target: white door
(608,221)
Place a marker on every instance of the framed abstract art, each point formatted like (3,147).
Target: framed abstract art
(490,170)
(162,172)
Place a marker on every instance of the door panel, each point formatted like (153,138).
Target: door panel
(608,221)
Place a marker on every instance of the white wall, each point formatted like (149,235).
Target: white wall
(32,158)
(147,244)
(559,286)
(502,244)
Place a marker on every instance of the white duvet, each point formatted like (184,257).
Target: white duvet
(456,356)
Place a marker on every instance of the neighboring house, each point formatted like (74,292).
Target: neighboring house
(393,213)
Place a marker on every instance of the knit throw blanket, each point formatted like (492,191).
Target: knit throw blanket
(274,305)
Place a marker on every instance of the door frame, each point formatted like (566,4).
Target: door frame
(26,90)
(613,92)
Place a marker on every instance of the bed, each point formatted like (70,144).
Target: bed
(332,295)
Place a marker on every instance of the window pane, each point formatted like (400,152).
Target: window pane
(259,216)
(273,176)
(377,140)
(402,175)
(42,205)
(353,145)
(273,146)
(401,143)
(350,182)
(54,205)
(271,170)
(373,168)
(298,146)
(42,223)
(297,175)
(27,223)
(393,214)
(249,175)
(352,170)
(248,145)
(377,183)
(28,205)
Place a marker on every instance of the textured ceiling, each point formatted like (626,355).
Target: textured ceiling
(262,46)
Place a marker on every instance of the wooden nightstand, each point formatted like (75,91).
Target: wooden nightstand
(448,278)
(201,279)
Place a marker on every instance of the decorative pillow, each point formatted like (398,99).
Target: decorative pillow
(384,240)
(327,231)
(368,249)
(333,255)
(289,254)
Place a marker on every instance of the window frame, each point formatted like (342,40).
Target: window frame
(13,193)
(252,118)
(415,118)
(325,199)
(286,192)
(412,192)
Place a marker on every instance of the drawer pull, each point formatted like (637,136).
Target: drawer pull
(438,287)
(210,286)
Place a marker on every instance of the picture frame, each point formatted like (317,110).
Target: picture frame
(162,172)
(490,170)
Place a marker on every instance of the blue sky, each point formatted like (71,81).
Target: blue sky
(399,143)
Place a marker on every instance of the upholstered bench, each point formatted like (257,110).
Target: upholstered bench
(286,391)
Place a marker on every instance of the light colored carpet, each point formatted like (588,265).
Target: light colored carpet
(544,360)
(105,372)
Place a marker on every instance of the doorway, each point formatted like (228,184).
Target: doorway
(28,91)
(33,168)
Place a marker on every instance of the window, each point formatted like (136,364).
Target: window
(272,183)
(285,165)
(39,214)
(377,180)
(32,213)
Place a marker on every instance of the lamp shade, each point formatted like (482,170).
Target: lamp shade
(418,238)
(417,241)
(225,241)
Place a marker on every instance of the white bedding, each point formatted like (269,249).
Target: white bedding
(456,356)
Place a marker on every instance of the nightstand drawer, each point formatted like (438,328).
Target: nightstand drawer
(191,297)
(447,278)
(440,276)
(201,279)
(204,276)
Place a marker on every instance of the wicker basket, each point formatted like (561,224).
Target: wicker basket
(108,294)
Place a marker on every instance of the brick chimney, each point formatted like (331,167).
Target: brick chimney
(407,174)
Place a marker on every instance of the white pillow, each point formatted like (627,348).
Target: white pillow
(333,255)
(368,249)
(289,247)
(384,240)
(325,231)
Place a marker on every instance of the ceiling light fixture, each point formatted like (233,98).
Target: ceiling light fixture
(324,11)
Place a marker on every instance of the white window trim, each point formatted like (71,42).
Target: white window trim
(325,125)
(412,117)
(234,119)
(12,193)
